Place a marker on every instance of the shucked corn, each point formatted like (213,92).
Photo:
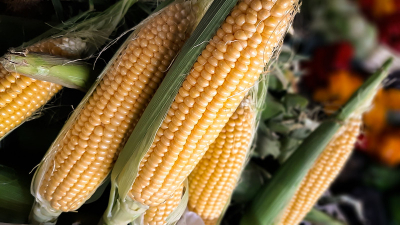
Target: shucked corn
(20,96)
(214,178)
(157,215)
(323,173)
(228,66)
(87,152)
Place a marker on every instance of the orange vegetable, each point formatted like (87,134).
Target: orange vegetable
(389,149)
(341,85)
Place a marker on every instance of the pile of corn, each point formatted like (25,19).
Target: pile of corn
(204,136)
(206,117)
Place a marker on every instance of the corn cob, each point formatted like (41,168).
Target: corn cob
(228,66)
(157,215)
(323,172)
(299,182)
(87,152)
(214,178)
(20,96)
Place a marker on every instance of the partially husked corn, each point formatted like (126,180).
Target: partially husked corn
(157,215)
(87,152)
(214,178)
(228,66)
(323,172)
(20,96)
(71,47)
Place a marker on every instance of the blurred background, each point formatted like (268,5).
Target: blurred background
(333,47)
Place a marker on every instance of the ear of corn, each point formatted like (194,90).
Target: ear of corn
(281,198)
(84,152)
(215,176)
(323,172)
(21,96)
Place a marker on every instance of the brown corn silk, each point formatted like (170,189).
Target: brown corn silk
(215,177)
(20,96)
(223,73)
(323,173)
(85,155)
(157,215)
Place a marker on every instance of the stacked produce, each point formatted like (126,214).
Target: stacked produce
(172,118)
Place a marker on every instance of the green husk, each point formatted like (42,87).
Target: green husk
(318,217)
(272,199)
(126,168)
(50,68)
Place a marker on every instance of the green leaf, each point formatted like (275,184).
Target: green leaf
(272,109)
(275,84)
(394,209)
(295,101)
(278,127)
(251,180)
(382,177)
(318,217)
(15,197)
(289,145)
(267,146)
(300,133)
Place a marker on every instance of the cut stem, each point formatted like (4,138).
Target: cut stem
(49,68)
